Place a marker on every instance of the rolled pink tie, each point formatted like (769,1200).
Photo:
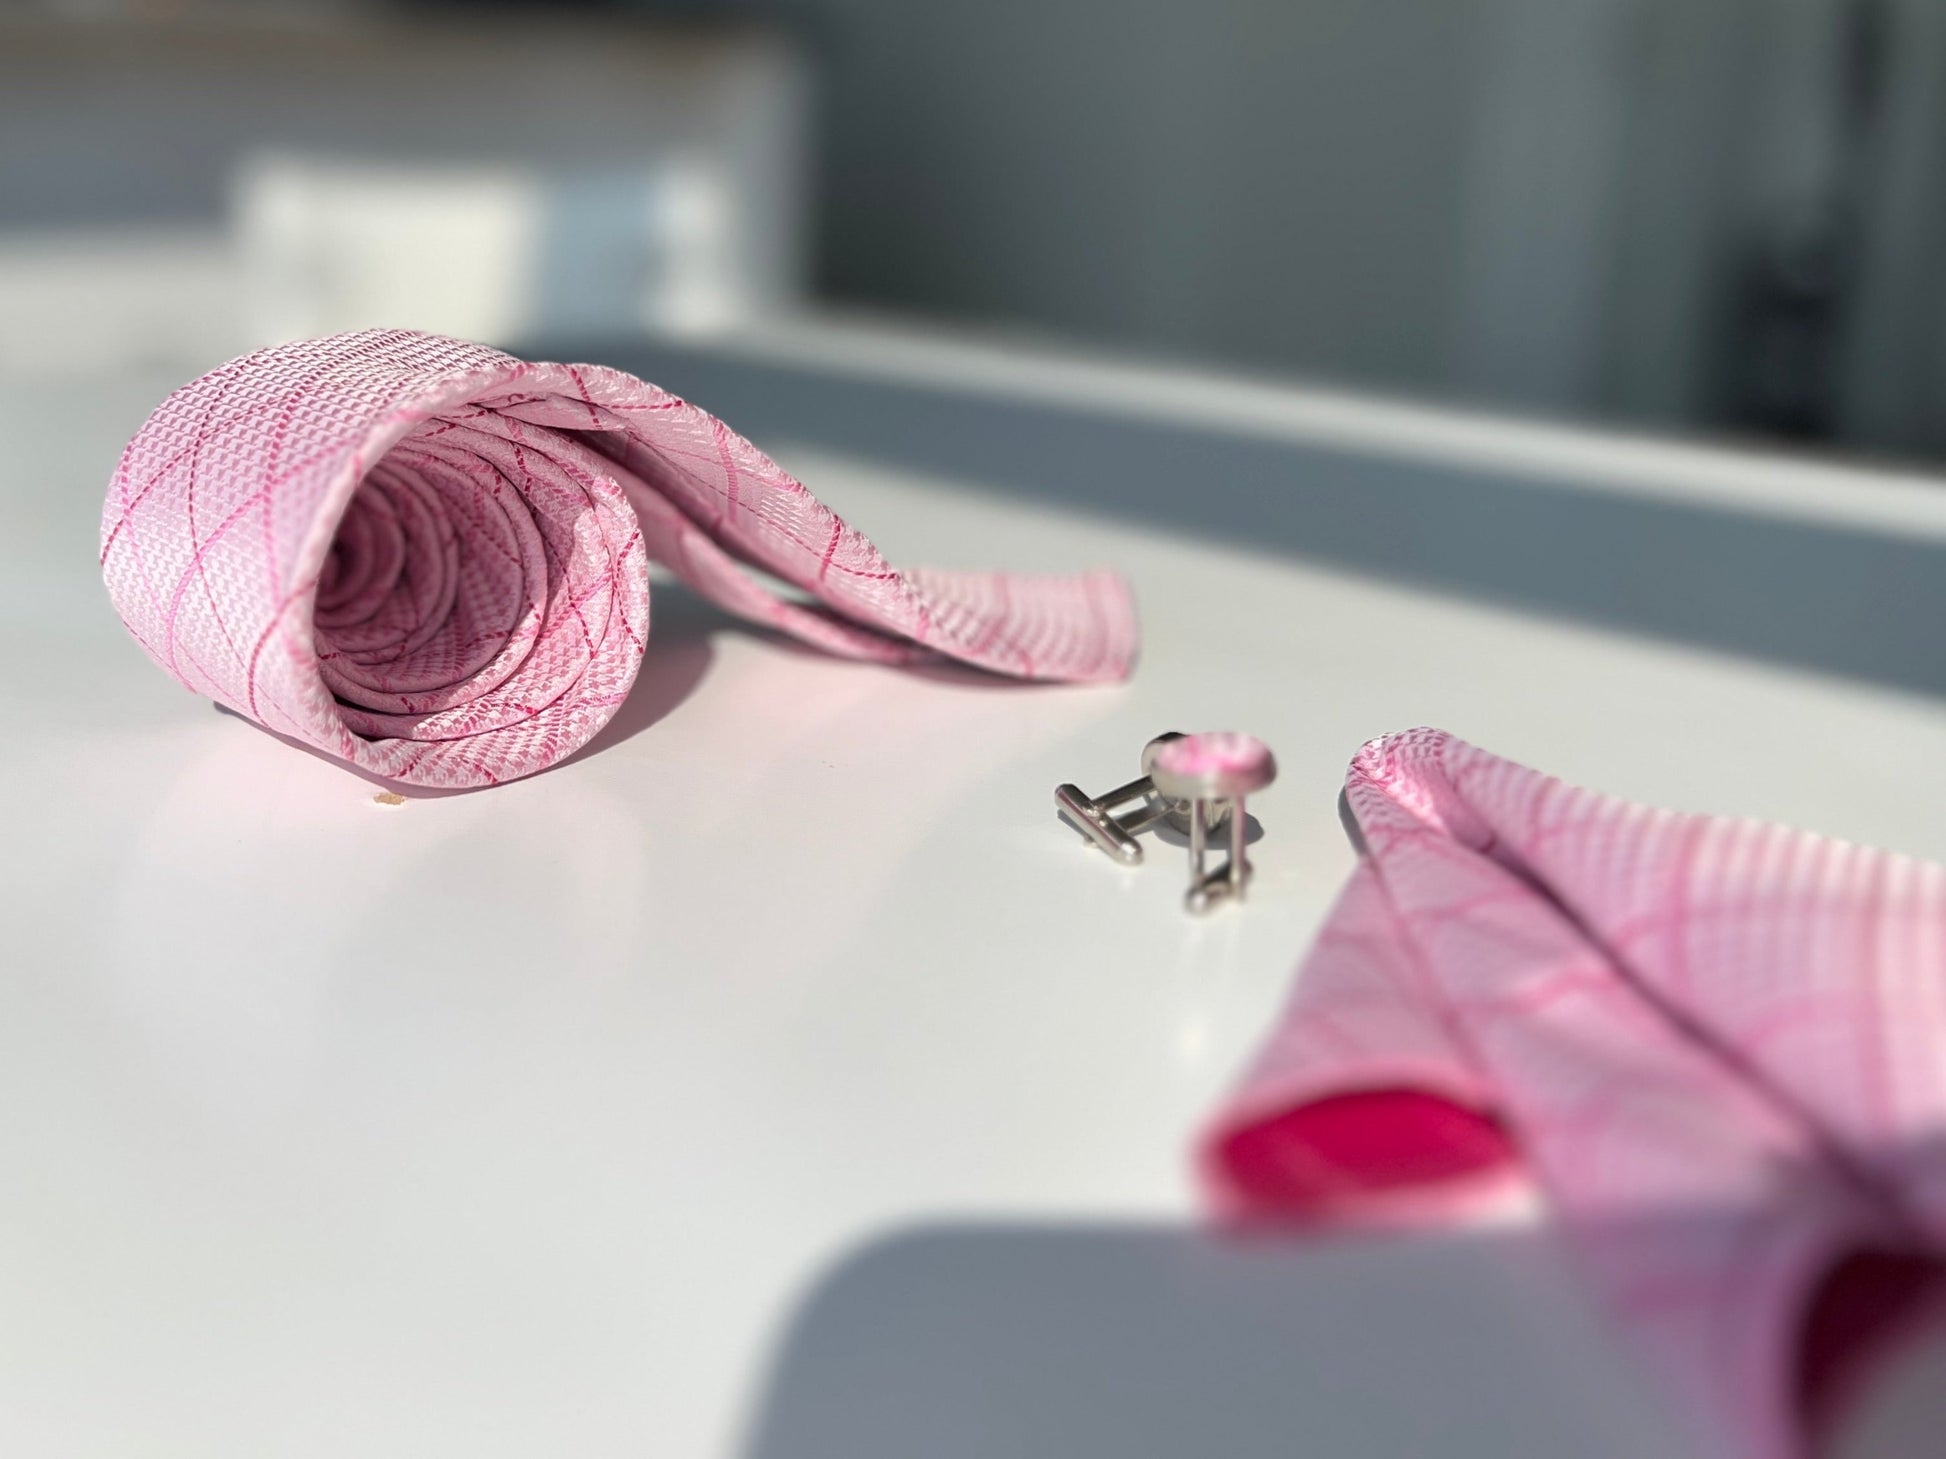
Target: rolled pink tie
(430,559)
(1717,1048)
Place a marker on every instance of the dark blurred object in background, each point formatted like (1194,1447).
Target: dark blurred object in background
(1708,215)
(1782,365)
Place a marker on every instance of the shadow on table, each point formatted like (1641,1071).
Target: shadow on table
(678,657)
(1123,1342)
(1092,1341)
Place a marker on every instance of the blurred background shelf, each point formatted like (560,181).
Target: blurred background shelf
(176,191)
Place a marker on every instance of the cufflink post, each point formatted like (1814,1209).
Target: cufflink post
(1214,773)
(1113,821)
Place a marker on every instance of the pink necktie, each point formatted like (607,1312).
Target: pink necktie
(431,559)
(1718,1048)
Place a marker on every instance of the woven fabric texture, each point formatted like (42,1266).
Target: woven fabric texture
(431,559)
(1713,1047)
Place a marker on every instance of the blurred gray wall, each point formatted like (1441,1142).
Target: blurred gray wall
(1266,181)
(1535,201)
(1716,214)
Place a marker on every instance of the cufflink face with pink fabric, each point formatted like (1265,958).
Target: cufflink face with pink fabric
(1214,772)
(1196,784)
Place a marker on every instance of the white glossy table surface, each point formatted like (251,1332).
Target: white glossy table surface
(532,1121)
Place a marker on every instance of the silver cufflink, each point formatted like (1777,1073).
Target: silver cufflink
(1113,821)
(1214,773)
(1196,784)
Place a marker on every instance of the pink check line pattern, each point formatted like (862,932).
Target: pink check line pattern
(431,559)
(1713,1047)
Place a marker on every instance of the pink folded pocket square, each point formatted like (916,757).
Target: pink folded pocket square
(1716,1048)
(431,559)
